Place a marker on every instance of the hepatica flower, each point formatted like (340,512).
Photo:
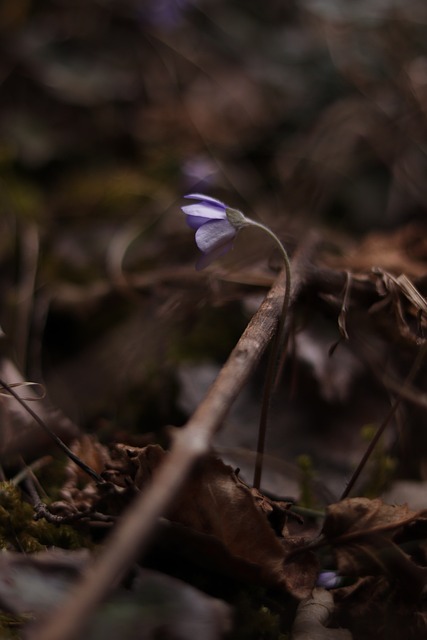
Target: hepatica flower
(166,14)
(329,580)
(216,226)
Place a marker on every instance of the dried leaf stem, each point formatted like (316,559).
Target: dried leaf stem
(407,383)
(132,533)
(57,440)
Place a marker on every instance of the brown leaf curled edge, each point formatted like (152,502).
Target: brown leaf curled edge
(369,538)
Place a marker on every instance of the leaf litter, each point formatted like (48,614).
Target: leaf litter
(201,90)
(218,526)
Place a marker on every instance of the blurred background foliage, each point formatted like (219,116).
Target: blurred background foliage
(307,114)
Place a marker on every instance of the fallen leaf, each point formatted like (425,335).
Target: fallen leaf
(373,609)
(365,536)
(357,516)
(214,502)
(400,251)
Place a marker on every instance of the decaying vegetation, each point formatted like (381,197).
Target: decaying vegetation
(118,355)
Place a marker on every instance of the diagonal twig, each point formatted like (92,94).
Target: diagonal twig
(133,532)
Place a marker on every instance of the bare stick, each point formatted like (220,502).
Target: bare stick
(132,533)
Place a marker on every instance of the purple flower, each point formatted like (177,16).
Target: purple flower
(200,170)
(216,226)
(166,14)
(328,580)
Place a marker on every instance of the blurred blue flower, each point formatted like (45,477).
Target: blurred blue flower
(200,170)
(165,14)
(328,580)
(215,224)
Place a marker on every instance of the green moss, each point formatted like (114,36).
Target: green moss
(10,625)
(255,621)
(62,535)
(19,530)
(305,465)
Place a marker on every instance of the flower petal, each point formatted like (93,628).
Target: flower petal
(204,211)
(194,222)
(207,258)
(206,199)
(214,235)
(329,580)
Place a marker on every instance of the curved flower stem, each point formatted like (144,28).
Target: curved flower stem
(274,351)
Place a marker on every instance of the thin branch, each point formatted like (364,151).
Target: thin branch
(57,440)
(408,381)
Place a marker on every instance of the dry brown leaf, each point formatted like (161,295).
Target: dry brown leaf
(401,251)
(301,572)
(372,609)
(364,535)
(216,502)
(356,516)
(91,452)
(377,555)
